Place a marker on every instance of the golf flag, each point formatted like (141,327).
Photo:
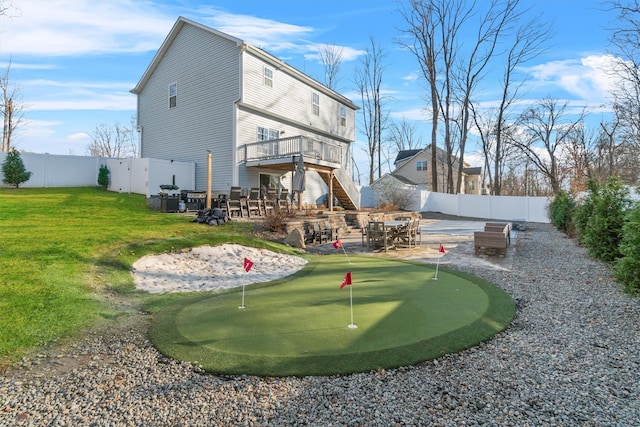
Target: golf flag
(247,264)
(337,244)
(441,250)
(347,280)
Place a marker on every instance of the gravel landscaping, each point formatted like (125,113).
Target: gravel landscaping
(571,357)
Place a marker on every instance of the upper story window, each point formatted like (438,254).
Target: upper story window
(265,134)
(315,101)
(173,95)
(268,76)
(343,116)
(421,165)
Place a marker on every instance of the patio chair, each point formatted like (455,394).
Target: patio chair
(404,236)
(377,235)
(233,203)
(309,234)
(363,232)
(270,200)
(319,235)
(417,232)
(283,200)
(254,203)
(329,232)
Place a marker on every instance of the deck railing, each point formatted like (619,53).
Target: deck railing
(285,148)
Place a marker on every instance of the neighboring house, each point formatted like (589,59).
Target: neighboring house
(208,91)
(414,166)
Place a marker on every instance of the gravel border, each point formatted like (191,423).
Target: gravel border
(571,357)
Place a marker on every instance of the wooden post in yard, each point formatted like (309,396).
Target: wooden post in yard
(330,196)
(209,156)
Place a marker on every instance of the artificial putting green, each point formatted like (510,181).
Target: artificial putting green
(299,325)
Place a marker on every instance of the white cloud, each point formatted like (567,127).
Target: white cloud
(79,136)
(263,33)
(50,95)
(347,53)
(411,77)
(113,102)
(25,66)
(37,129)
(586,78)
(72,27)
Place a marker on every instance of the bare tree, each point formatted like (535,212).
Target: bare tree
(497,157)
(368,77)
(494,25)
(577,162)
(11,108)
(134,146)
(625,40)
(423,20)
(546,132)
(529,41)
(5,6)
(111,141)
(404,135)
(331,57)
(453,67)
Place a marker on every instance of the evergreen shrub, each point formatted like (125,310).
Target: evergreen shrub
(103,177)
(603,233)
(627,269)
(13,169)
(562,210)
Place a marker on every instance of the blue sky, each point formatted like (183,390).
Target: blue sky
(74,61)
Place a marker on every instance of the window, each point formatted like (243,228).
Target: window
(472,185)
(421,165)
(270,139)
(343,116)
(268,77)
(265,134)
(173,94)
(316,104)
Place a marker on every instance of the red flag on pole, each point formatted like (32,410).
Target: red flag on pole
(337,244)
(247,265)
(441,250)
(347,280)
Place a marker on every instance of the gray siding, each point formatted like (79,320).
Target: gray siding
(206,69)
(291,97)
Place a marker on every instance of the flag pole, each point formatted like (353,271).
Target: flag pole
(442,252)
(351,325)
(247,267)
(345,254)
(338,244)
(242,307)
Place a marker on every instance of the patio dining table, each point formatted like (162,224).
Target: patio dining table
(386,236)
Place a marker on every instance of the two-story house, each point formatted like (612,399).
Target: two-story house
(413,167)
(206,91)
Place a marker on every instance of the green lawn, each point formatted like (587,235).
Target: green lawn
(61,248)
(299,325)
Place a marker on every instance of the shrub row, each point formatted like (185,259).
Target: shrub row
(607,222)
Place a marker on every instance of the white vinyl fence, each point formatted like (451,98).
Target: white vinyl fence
(49,170)
(140,176)
(512,208)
